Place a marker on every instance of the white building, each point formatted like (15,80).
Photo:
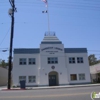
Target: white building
(51,64)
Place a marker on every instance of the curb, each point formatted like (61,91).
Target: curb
(77,86)
(11,89)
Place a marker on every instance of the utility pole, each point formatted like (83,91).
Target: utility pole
(11,13)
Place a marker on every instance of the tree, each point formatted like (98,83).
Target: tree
(92,60)
(3,64)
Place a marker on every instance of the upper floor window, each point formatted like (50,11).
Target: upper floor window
(79,59)
(31,61)
(52,60)
(22,61)
(72,60)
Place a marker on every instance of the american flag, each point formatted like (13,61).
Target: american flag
(45,11)
(45,1)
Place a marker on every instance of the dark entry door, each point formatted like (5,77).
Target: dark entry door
(52,80)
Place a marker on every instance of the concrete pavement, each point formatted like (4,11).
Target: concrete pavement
(81,93)
(53,87)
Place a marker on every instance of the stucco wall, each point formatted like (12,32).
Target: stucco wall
(78,68)
(42,69)
(25,70)
(60,67)
(3,76)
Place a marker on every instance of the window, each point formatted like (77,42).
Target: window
(31,61)
(22,78)
(72,60)
(22,61)
(52,60)
(32,79)
(79,59)
(81,76)
(73,77)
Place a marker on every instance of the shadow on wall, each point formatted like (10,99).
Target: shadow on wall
(95,78)
(3,76)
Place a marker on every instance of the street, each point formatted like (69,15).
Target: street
(80,93)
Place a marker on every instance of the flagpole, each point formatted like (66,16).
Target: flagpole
(48,19)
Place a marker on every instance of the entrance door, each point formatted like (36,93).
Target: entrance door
(52,80)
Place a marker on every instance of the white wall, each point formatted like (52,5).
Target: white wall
(78,68)
(25,70)
(46,68)
(42,69)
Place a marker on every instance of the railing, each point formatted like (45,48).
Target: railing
(50,33)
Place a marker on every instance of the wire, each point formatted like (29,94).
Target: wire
(81,4)
(3,48)
(94,50)
(73,6)
(4,37)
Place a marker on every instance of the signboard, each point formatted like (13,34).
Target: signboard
(51,48)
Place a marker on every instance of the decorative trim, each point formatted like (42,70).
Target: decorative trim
(51,42)
(80,83)
(62,84)
(37,50)
(75,50)
(29,85)
(26,51)
(42,85)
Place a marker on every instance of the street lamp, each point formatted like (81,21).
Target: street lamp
(4,50)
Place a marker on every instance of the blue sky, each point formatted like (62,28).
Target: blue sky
(75,22)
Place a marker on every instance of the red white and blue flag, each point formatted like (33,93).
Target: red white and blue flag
(45,1)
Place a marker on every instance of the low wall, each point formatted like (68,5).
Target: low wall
(3,76)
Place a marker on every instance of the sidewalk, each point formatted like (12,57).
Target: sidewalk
(51,87)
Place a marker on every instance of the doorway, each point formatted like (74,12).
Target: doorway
(53,78)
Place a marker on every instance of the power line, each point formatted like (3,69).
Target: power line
(94,50)
(67,4)
(4,37)
(3,48)
(80,7)
(60,3)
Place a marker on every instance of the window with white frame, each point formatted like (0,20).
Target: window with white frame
(71,60)
(81,76)
(32,79)
(73,77)
(31,61)
(79,59)
(22,78)
(22,61)
(52,60)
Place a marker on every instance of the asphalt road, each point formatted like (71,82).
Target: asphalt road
(81,93)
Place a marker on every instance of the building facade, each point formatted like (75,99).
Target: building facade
(95,73)
(3,76)
(51,64)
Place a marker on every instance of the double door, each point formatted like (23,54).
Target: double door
(52,80)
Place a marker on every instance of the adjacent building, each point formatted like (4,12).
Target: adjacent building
(51,64)
(3,76)
(95,73)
